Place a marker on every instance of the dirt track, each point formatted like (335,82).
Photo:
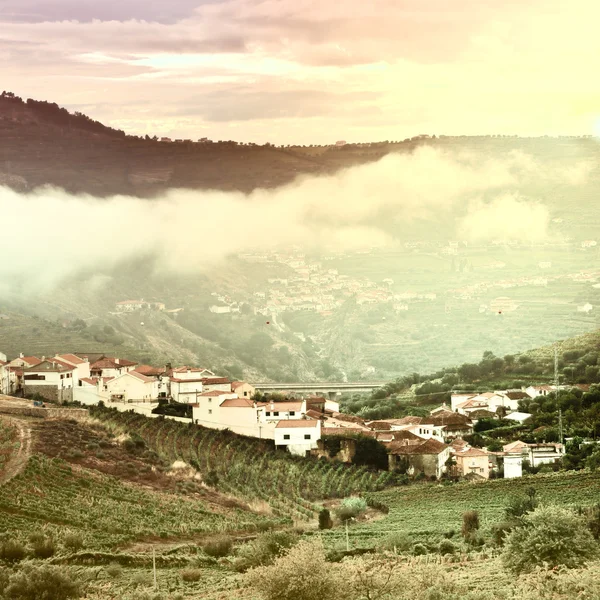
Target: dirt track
(19,459)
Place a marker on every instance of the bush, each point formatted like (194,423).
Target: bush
(42,547)
(12,551)
(114,570)
(420,549)
(264,549)
(520,506)
(211,479)
(218,546)
(41,583)
(550,536)
(470,522)
(73,541)
(396,541)
(325,521)
(301,574)
(350,508)
(191,575)
(446,547)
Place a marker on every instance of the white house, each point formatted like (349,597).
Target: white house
(513,465)
(456,399)
(242,389)
(51,379)
(277,411)
(220,310)
(82,366)
(533,391)
(111,367)
(221,384)
(130,305)
(298,436)
(519,417)
(184,390)
(130,387)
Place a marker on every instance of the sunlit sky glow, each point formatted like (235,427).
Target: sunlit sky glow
(310,71)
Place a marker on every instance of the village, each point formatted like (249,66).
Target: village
(431,446)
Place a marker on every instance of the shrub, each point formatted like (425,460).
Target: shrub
(550,536)
(501,530)
(218,546)
(12,551)
(301,574)
(140,579)
(520,506)
(41,583)
(73,541)
(43,547)
(325,521)
(264,549)
(114,570)
(396,541)
(446,547)
(350,508)
(470,522)
(211,479)
(420,549)
(191,575)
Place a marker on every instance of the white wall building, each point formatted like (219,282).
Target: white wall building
(277,411)
(298,436)
(130,387)
(513,466)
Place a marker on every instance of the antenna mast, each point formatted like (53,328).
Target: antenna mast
(560,426)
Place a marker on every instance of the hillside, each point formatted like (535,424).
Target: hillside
(442,301)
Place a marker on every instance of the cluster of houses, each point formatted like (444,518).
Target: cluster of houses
(432,445)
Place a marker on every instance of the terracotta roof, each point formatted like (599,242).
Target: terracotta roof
(515,446)
(51,365)
(237,403)
(344,431)
(90,380)
(315,414)
(215,380)
(380,425)
(516,395)
(472,403)
(472,452)
(149,371)
(446,418)
(30,360)
(105,363)
(296,423)
(71,358)
(458,443)
(177,380)
(214,393)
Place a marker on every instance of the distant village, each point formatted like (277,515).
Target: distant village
(432,446)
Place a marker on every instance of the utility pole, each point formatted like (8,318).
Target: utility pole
(154,567)
(560,425)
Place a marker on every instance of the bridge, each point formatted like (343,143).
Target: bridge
(332,389)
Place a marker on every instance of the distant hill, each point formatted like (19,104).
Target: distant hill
(42,143)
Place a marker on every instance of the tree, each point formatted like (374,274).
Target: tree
(470,523)
(549,537)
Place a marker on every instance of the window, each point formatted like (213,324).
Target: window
(210,411)
(307,436)
(276,413)
(268,414)
(245,393)
(210,399)
(292,413)
(62,376)
(286,436)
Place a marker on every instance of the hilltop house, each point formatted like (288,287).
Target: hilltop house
(243,389)
(82,366)
(533,391)
(277,411)
(52,379)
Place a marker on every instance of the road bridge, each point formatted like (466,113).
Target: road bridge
(332,389)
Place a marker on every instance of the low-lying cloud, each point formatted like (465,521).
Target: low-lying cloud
(49,235)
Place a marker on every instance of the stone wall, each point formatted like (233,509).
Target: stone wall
(79,414)
(49,392)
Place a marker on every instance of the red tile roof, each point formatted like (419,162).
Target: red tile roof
(472,452)
(215,380)
(296,423)
(71,358)
(31,360)
(140,376)
(149,371)
(237,403)
(50,365)
(284,406)
(214,393)
(430,446)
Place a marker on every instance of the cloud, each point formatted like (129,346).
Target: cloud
(188,231)
(507,217)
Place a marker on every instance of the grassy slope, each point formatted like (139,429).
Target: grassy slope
(429,510)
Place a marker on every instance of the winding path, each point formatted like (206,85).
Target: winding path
(17,461)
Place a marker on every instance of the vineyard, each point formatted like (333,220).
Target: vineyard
(249,468)
(50,495)
(427,511)
(8,443)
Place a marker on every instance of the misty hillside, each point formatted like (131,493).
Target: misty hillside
(493,247)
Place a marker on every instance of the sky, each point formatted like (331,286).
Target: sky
(310,71)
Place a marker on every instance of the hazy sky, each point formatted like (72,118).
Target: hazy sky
(310,71)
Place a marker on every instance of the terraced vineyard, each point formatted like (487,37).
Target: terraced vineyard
(49,495)
(250,468)
(429,511)
(8,442)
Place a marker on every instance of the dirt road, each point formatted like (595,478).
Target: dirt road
(18,459)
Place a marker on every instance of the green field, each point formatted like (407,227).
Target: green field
(428,511)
